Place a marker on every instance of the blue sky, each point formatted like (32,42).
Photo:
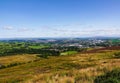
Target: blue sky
(59,18)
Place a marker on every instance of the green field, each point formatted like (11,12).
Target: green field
(68,53)
(38,47)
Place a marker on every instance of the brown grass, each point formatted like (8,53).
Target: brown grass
(79,68)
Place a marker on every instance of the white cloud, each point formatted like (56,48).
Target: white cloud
(63,31)
(89,32)
(8,28)
(23,29)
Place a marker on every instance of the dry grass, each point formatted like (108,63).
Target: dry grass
(85,75)
(6,60)
(79,68)
(104,62)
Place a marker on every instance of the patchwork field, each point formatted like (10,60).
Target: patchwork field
(75,68)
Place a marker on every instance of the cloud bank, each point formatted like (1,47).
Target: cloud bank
(60,31)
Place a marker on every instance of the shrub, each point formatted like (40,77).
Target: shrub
(12,64)
(42,56)
(2,66)
(117,55)
(109,77)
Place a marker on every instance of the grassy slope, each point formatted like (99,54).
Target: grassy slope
(6,60)
(64,69)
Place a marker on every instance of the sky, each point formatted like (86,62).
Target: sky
(59,18)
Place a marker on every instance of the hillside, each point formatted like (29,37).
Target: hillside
(76,68)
